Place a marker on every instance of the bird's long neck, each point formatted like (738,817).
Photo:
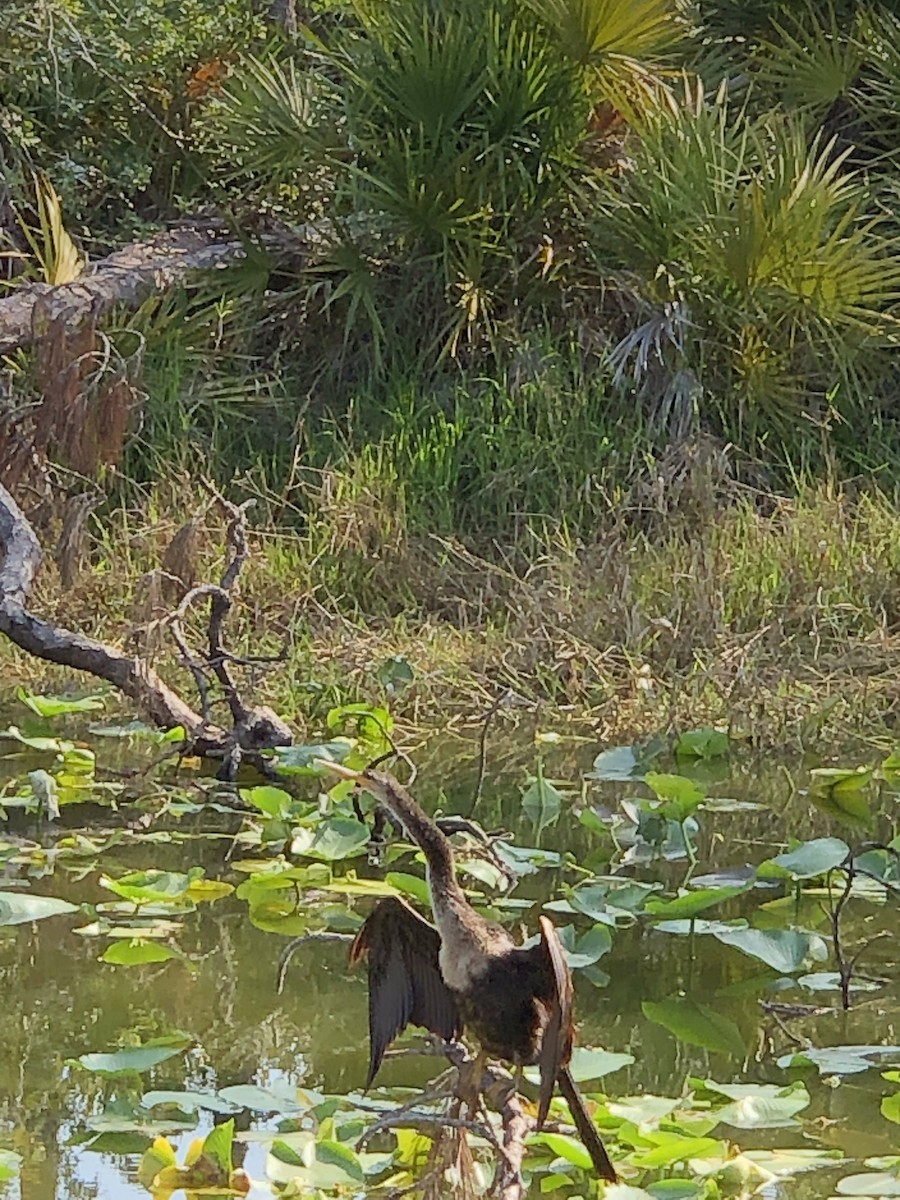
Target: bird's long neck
(423,831)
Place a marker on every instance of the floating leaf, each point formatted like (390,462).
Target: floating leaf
(841,1060)
(680,796)
(131,1058)
(830,981)
(760,1106)
(271,801)
(869,1183)
(808,860)
(784,950)
(52,744)
(702,743)
(337,838)
(189,1102)
(151,886)
(890,1108)
(541,803)
(695,1024)
(568,1148)
(19,908)
(688,904)
(280,1098)
(336,1154)
(674,1148)
(137,953)
(10,1165)
(57,706)
(593,1063)
(619,763)
(298,760)
(410,885)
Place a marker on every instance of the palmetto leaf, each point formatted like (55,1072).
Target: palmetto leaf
(813,59)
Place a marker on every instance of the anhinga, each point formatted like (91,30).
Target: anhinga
(467,972)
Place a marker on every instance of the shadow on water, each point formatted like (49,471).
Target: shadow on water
(61,1001)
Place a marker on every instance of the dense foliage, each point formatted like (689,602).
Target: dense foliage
(549,227)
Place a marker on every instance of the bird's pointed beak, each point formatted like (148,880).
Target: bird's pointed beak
(338,769)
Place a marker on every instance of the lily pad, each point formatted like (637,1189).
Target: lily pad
(784,950)
(842,1060)
(189,1102)
(131,1058)
(808,860)
(617,763)
(695,1024)
(20,908)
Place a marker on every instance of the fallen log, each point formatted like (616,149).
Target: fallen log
(255,728)
(127,276)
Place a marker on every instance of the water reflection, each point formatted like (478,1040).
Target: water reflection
(62,1002)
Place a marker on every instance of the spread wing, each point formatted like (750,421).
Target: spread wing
(556,1044)
(405,982)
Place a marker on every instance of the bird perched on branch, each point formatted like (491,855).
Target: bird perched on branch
(467,972)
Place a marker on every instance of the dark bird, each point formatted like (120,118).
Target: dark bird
(467,972)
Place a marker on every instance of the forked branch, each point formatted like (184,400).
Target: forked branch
(254,728)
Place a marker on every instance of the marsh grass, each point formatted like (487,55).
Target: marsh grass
(776,617)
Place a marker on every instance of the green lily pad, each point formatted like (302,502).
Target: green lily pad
(784,950)
(809,860)
(20,908)
(695,1024)
(131,1058)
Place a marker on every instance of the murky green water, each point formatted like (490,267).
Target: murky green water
(61,1002)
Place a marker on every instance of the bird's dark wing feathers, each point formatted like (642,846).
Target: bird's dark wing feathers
(556,1046)
(405,982)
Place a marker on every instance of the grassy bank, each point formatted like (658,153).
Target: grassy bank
(776,617)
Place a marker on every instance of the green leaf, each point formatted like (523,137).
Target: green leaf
(695,1024)
(137,953)
(760,1106)
(702,743)
(152,886)
(19,908)
(841,1060)
(593,1063)
(132,1058)
(784,950)
(51,744)
(410,885)
(336,1154)
(271,801)
(297,760)
(689,904)
(808,860)
(395,673)
(566,1147)
(280,1098)
(869,1183)
(57,706)
(680,796)
(674,1148)
(217,1146)
(541,802)
(189,1102)
(337,838)
(370,723)
(619,763)
(890,1108)
(10,1165)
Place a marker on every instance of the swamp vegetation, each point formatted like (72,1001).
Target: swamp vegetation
(513,384)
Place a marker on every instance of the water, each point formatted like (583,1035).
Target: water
(62,1002)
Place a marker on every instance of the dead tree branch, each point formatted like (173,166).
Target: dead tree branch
(255,728)
(126,277)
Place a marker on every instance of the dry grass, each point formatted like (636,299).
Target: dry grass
(781,620)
